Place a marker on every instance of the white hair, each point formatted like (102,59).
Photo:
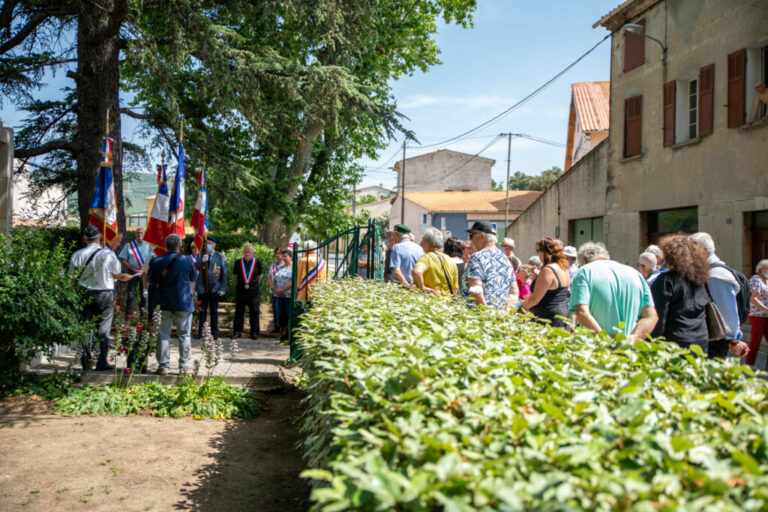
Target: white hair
(249,245)
(433,237)
(590,251)
(491,237)
(310,245)
(648,259)
(761,265)
(410,236)
(656,251)
(535,261)
(705,239)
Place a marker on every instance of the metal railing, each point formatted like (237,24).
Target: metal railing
(335,258)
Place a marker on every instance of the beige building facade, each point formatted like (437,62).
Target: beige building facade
(679,156)
(445,170)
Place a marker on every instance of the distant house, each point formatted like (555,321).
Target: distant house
(377,191)
(445,170)
(454,212)
(588,120)
(31,207)
(377,210)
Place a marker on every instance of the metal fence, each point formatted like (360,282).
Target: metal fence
(338,257)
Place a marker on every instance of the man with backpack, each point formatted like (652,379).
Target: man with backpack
(171,275)
(98,268)
(729,290)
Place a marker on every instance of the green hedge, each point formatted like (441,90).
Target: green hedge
(417,403)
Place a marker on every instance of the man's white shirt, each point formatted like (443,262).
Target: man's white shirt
(98,275)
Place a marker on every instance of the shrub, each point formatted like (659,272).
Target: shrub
(416,403)
(39,305)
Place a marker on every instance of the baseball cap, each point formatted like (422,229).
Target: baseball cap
(482,225)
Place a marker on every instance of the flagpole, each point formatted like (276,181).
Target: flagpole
(104,228)
(205,236)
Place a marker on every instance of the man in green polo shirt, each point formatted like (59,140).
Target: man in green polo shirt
(611,297)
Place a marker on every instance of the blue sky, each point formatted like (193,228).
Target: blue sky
(514,47)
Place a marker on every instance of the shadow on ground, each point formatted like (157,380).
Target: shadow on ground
(257,467)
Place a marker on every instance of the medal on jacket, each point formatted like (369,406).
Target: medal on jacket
(247,276)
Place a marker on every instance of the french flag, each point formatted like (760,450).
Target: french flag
(103,206)
(200,216)
(176,207)
(157,227)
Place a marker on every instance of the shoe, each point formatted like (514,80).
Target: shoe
(101,367)
(184,372)
(215,337)
(197,337)
(236,335)
(162,372)
(255,335)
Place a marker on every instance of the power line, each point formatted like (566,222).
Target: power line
(522,101)
(457,169)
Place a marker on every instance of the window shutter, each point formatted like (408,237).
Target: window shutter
(669,113)
(706,99)
(634,48)
(736,88)
(633,125)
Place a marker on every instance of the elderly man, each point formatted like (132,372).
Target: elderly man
(490,277)
(571,253)
(405,254)
(434,271)
(646,265)
(724,287)
(508,246)
(310,269)
(761,97)
(98,270)
(211,285)
(656,251)
(171,276)
(248,275)
(133,256)
(609,296)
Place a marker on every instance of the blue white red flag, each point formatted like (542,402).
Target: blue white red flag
(176,206)
(200,215)
(157,227)
(103,206)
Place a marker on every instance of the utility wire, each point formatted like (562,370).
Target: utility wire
(522,101)
(457,169)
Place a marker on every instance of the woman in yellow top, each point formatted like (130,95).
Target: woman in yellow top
(310,269)
(434,271)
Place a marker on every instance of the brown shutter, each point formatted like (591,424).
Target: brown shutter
(736,88)
(669,113)
(706,99)
(633,126)
(634,48)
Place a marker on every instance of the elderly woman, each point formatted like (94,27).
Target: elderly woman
(282,287)
(758,309)
(681,294)
(434,271)
(310,269)
(549,292)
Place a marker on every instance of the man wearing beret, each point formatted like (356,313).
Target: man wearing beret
(404,256)
(210,285)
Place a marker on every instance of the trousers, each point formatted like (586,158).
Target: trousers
(251,301)
(130,295)
(183,322)
(100,308)
(759,331)
(209,300)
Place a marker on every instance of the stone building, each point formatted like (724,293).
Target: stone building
(445,170)
(679,156)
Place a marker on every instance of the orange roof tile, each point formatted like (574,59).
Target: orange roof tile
(473,201)
(592,103)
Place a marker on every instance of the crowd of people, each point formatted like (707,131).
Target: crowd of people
(180,285)
(679,291)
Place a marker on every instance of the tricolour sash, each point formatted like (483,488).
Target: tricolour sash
(312,275)
(247,275)
(137,253)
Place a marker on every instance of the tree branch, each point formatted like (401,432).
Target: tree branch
(6,14)
(54,145)
(136,115)
(22,34)
(112,29)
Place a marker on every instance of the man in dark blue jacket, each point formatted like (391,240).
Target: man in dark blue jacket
(172,276)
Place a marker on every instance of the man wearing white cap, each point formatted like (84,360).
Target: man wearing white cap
(572,255)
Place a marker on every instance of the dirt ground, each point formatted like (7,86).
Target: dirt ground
(141,463)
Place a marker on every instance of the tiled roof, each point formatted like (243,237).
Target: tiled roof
(592,103)
(473,201)
(623,13)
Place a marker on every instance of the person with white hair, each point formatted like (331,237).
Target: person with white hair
(724,288)
(572,255)
(758,309)
(435,272)
(405,254)
(248,273)
(490,278)
(646,265)
(609,296)
(656,251)
(535,263)
(310,270)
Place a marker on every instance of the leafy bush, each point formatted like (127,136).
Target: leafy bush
(50,387)
(226,241)
(417,403)
(39,306)
(71,237)
(213,398)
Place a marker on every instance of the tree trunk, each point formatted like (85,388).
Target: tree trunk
(98,86)
(275,234)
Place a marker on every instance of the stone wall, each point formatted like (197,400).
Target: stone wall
(446,170)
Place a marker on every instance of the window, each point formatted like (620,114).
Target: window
(442,223)
(756,70)
(633,126)
(736,88)
(693,108)
(688,107)
(661,223)
(425,218)
(634,49)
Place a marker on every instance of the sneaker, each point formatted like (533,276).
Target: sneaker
(162,372)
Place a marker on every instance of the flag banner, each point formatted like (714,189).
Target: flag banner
(103,207)
(176,207)
(200,215)
(157,227)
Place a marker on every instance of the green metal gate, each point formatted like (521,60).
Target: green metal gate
(341,253)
